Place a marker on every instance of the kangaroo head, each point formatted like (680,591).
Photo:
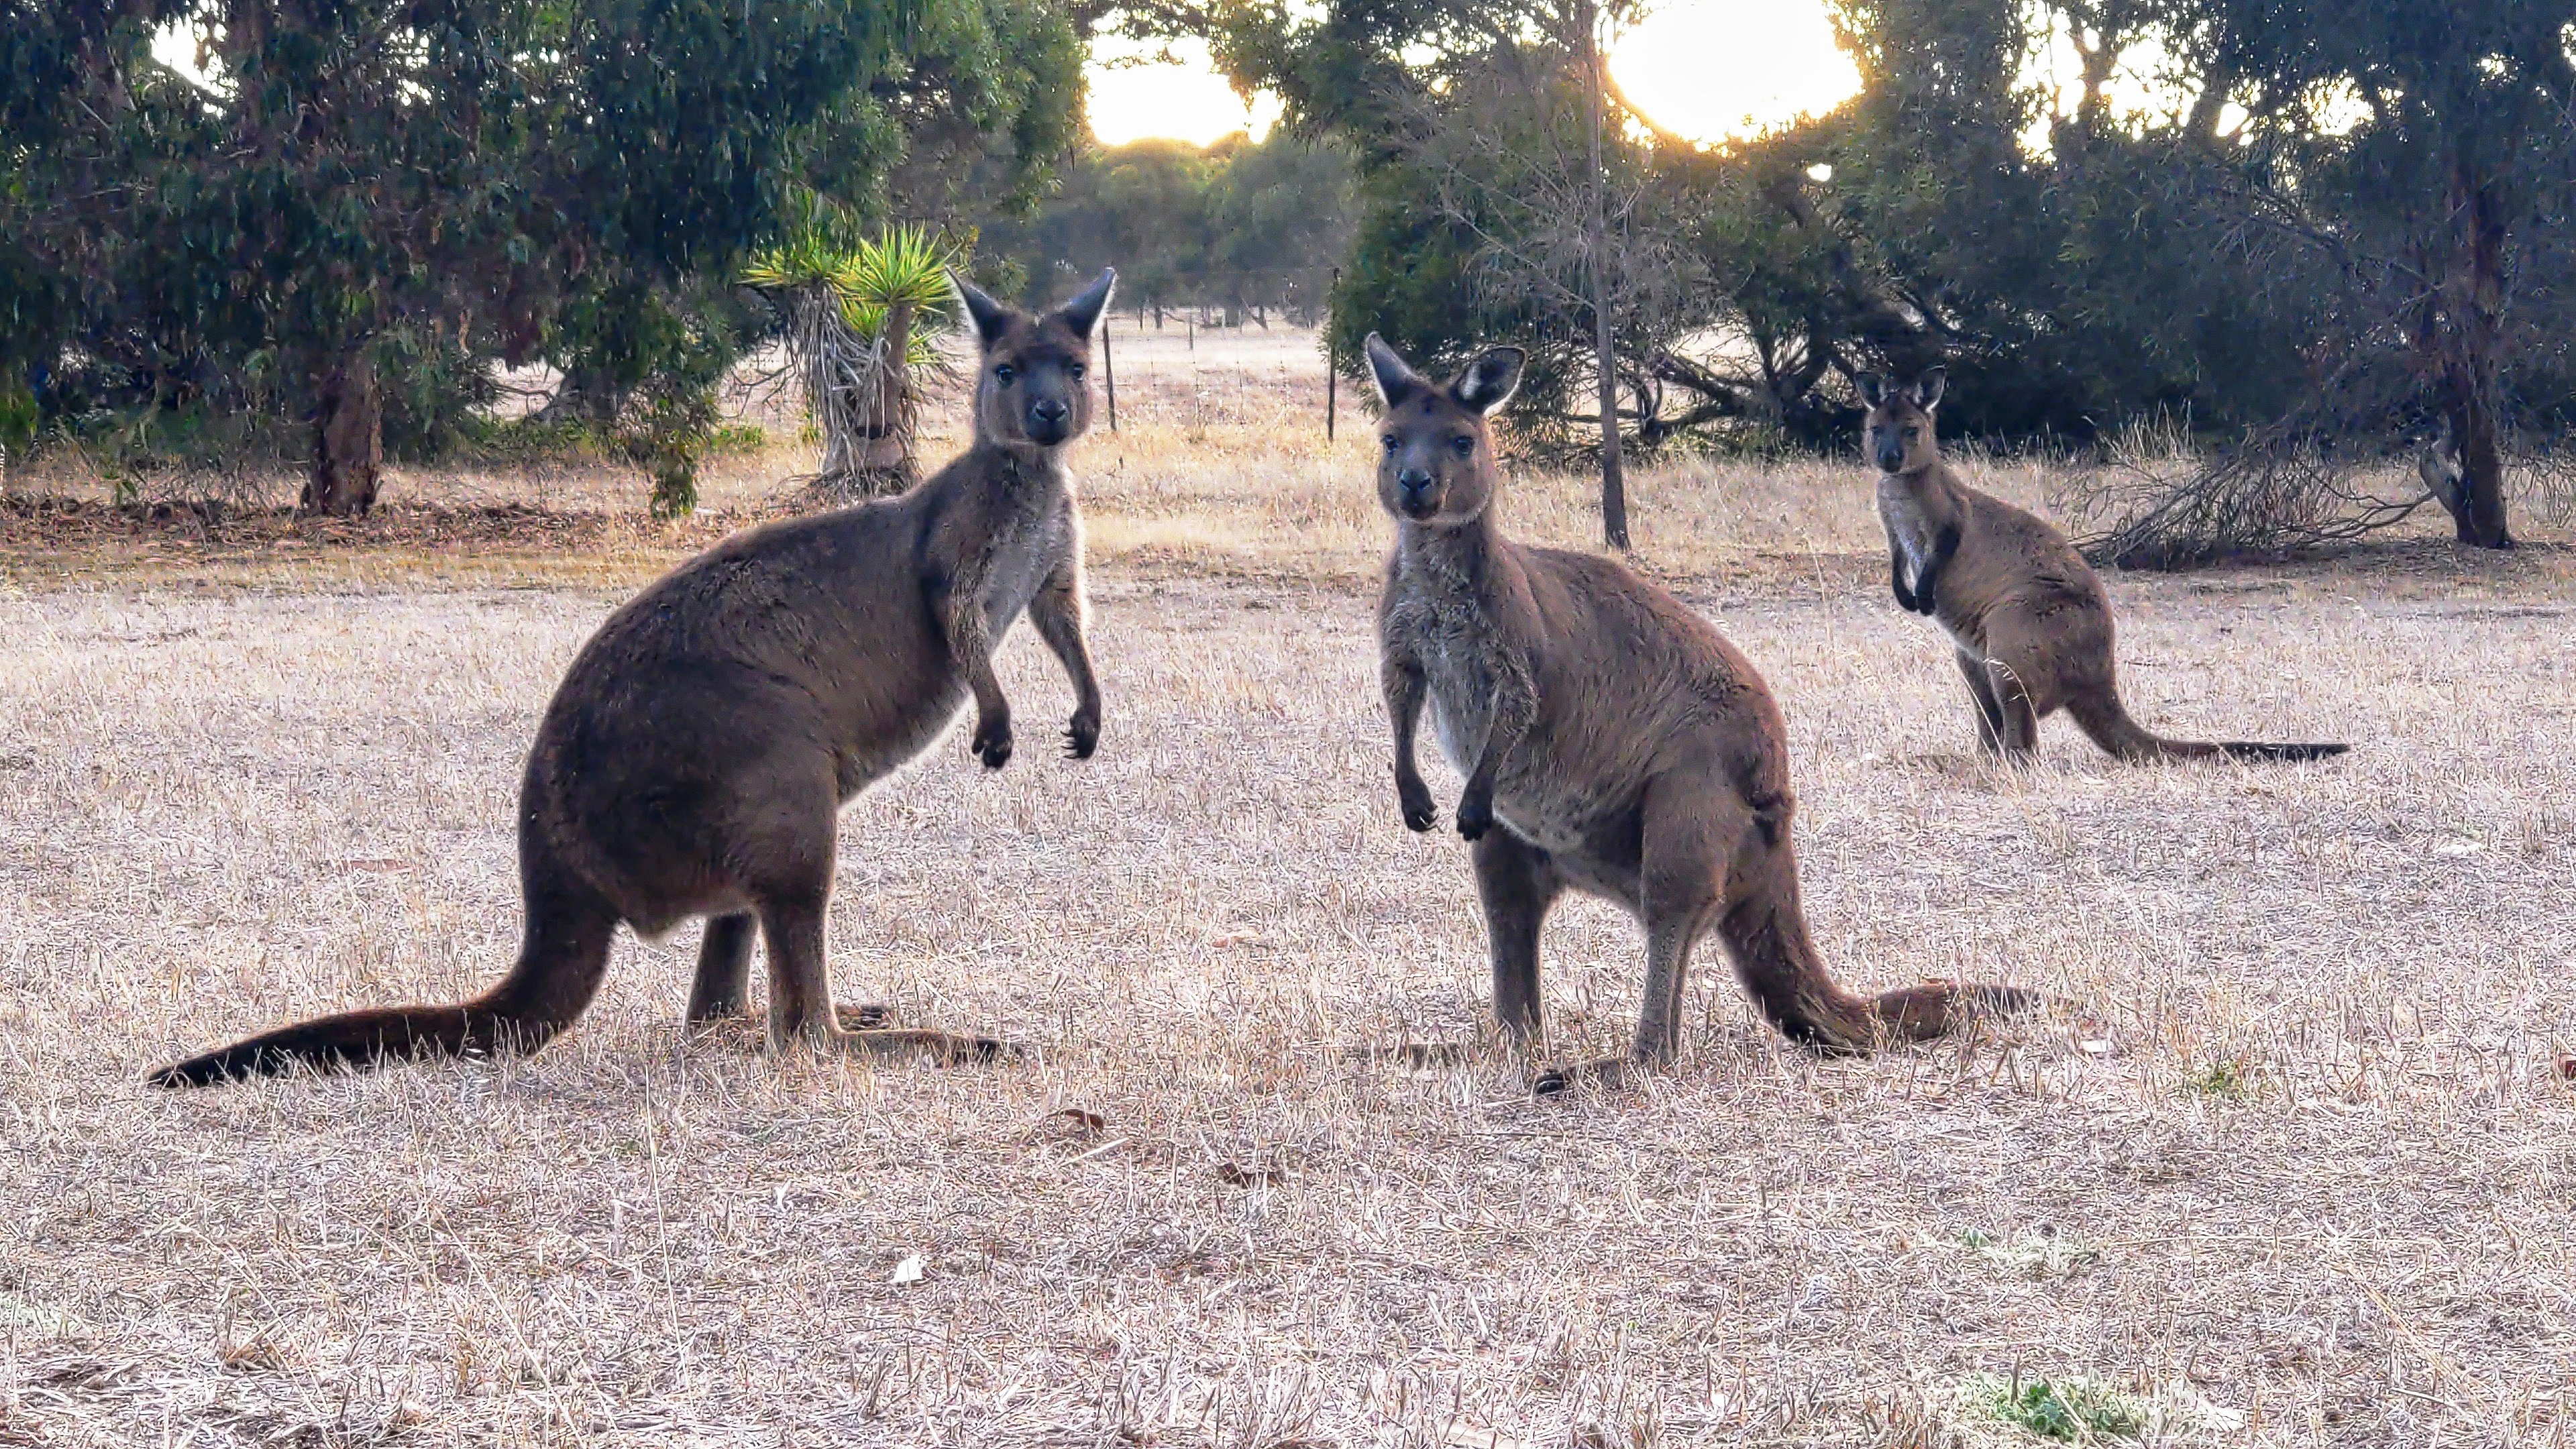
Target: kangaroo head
(1899,432)
(1030,386)
(1438,460)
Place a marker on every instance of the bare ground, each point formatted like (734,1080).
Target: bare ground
(2294,1168)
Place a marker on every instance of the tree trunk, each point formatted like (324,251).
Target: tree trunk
(2474,298)
(1614,481)
(888,449)
(348,440)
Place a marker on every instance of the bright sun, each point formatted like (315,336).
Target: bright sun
(1705,69)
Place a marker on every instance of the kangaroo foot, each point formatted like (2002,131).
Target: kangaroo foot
(947,1048)
(869,1017)
(1610,1074)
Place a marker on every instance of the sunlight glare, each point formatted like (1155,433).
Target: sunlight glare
(1714,69)
(1185,100)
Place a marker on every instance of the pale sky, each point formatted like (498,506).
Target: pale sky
(1707,69)
(1704,68)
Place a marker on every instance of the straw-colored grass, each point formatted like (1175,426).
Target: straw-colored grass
(2294,1170)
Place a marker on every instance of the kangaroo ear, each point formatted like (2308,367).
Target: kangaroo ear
(1873,388)
(1083,312)
(1489,381)
(1928,388)
(1396,380)
(992,318)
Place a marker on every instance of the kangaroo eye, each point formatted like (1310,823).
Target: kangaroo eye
(1463,446)
(1912,433)
(1004,373)
(1389,440)
(1074,371)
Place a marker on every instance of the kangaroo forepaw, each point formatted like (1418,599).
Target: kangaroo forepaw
(1415,798)
(1475,817)
(1082,736)
(992,742)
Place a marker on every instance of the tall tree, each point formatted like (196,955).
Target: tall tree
(2454,154)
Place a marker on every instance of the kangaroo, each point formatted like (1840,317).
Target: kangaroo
(696,756)
(1613,742)
(2029,618)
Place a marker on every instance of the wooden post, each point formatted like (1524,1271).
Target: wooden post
(1109,370)
(1332,365)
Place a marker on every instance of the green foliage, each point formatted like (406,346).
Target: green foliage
(2069,1411)
(452,185)
(907,266)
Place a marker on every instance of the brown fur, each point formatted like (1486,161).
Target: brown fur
(1613,743)
(2027,616)
(696,756)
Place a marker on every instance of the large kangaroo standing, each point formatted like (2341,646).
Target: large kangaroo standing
(695,759)
(1612,742)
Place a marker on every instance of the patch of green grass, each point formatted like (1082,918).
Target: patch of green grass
(738,438)
(2068,1411)
(2227,1080)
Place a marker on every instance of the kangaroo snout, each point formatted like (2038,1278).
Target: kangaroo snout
(1050,420)
(1413,492)
(1891,455)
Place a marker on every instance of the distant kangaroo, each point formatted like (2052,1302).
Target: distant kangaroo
(2029,618)
(695,759)
(1613,743)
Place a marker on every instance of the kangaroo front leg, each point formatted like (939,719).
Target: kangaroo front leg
(970,648)
(1515,704)
(1403,683)
(1058,613)
(1944,544)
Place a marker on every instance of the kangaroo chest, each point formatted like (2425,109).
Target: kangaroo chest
(1024,551)
(1909,527)
(1442,627)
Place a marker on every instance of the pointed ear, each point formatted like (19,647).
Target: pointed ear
(1396,379)
(992,318)
(1929,387)
(1489,381)
(1873,388)
(1083,312)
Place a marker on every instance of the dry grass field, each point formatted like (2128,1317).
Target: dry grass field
(2296,1166)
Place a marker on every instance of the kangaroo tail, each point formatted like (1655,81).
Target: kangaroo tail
(559,969)
(2102,716)
(1767,938)
(357,1040)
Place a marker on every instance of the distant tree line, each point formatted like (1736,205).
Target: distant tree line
(1242,229)
(2350,236)
(333,241)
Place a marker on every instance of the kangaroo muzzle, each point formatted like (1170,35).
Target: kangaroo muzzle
(1049,421)
(1413,492)
(1891,456)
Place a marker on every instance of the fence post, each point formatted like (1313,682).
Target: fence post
(1109,369)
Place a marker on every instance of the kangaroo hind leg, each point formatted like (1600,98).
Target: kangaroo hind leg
(1990,709)
(1691,823)
(1517,884)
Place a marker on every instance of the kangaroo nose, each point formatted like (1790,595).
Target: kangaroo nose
(1413,480)
(1890,457)
(1051,411)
